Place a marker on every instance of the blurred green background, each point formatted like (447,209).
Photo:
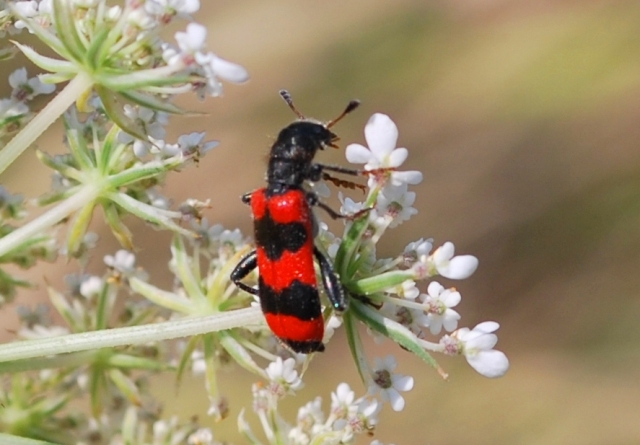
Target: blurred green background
(524,118)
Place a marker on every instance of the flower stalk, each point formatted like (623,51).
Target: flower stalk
(75,202)
(48,115)
(133,335)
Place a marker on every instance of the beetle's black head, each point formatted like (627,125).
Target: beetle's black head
(302,139)
(291,157)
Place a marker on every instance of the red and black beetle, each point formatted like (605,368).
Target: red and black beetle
(284,235)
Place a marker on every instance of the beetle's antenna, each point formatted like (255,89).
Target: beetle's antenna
(350,107)
(287,98)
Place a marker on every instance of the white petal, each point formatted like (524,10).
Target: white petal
(193,39)
(459,267)
(435,324)
(487,327)
(409,177)
(18,77)
(483,342)
(388,362)
(229,71)
(444,252)
(190,6)
(357,154)
(392,190)
(450,320)
(490,364)
(435,289)
(451,299)
(381,134)
(402,382)
(397,157)
(395,399)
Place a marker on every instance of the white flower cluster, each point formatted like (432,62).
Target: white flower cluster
(390,284)
(348,416)
(118,48)
(191,52)
(15,109)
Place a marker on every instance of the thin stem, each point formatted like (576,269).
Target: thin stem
(52,111)
(58,361)
(37,226)
(8,439)
(133,335)
(430,346)
(357,350)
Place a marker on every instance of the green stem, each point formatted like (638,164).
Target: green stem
(58,361)
(52,111)
(357,350)
(8,439)
(37,226)
(133,335)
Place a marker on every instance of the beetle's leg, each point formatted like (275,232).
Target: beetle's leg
(246,198)
(343,170)
(313,200)
(332,284)
(244,268)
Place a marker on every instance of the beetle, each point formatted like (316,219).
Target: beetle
(284,229)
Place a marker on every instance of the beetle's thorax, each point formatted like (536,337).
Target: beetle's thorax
(292,154)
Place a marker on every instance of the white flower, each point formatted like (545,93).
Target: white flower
(113,13)
(416,250)
(310,414)
(332,324)
(368,410)
(362,418)
(91,287)
(150,122)
(477,347)
(202,436)
(139,19)
(123,261)
(193,41)
(40,13)
(283,376)
(27,9)
(349,206)
(397,207)
(381,134)
(157,199)
(9,108)
(218,408)
(25,89)
(192,46)
(193,143)
(198,363)
(162,149)
(412,319)
(449,266)
(389,384)
(439,302)
(215,67)
(342,400)
(407,290)
(39,331)
(229,71)
(165,9)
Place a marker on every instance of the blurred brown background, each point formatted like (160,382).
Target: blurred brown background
(523,117)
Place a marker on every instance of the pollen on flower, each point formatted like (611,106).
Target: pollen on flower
(451,346)
(389,384)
